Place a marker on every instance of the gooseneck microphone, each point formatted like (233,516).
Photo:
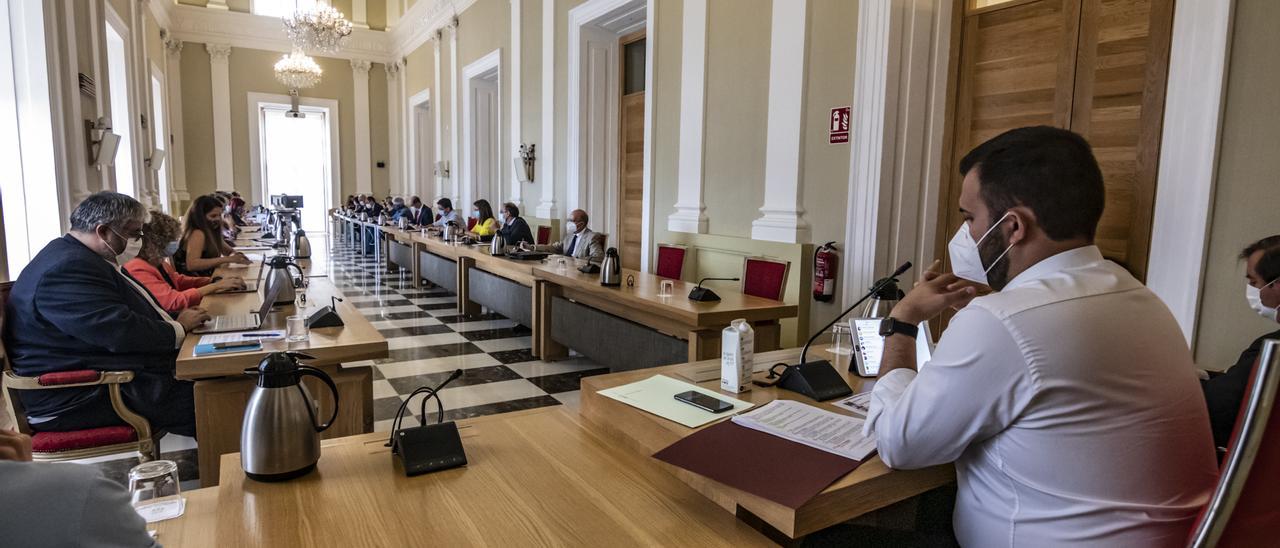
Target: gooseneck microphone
(704,294)
(817,379)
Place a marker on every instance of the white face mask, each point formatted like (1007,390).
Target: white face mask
(966,262)
(131,248)
(1254,296)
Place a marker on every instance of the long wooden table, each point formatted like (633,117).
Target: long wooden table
(870,487)
(533,478)
(222,390)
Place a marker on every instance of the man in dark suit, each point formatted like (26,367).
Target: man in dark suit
(1224,393)
(514,230)
(74,307)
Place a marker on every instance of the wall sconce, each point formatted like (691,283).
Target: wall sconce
(442,169)
(102,143)
(524,164)
(156,161)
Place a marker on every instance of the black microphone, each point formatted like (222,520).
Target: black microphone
(704,294)
(435,393)
(817,379)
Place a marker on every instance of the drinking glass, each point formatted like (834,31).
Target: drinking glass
(296,329)
(841,346)
(562,263)
(153,481)
(666,288)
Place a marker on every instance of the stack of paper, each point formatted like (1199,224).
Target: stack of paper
(802,423)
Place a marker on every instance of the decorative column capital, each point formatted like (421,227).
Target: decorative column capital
(360,66)
(392,69)
(218,53)
(173,46)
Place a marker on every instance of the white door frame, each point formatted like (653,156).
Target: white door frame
(487,68)
(256,166)
(422,99)
(581,190)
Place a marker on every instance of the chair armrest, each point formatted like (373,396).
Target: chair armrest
(66,379)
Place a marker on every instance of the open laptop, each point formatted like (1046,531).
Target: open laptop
(252,286)
(870,345)
(241,322)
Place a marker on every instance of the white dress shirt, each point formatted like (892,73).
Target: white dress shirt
(446,218)
(1070,406)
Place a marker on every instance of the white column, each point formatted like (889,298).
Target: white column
(395,120)
(690,214)
(454,107)
(360,78)
(218,5)
(178,194)
(546,149)
(783,214)
(359,14)
(393,14)
(516,131)
(219,61)
(439,122)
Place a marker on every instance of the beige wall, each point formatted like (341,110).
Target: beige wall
(197,120)
(1245,199)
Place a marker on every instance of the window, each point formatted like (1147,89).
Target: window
(280,8)
(26,138)
(118,93)
(159,122)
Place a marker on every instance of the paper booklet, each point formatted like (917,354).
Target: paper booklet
(818,428)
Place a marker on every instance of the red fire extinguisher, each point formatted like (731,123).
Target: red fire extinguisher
(824,272)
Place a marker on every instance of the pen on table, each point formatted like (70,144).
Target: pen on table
(257,335)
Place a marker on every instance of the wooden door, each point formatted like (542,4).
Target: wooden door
(1097,67)
(631,156)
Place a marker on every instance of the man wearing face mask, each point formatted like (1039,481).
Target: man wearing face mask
(398,209)
(74,307)
(447,214)
(514,229)
(579,242)
(1067,398)
(1224,393)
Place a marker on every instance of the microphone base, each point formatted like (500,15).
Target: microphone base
(325,317)
(815,379)
(703,294)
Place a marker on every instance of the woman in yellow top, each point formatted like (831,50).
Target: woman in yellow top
(486,225)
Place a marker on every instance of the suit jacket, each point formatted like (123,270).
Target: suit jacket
(516,231)
(590,246)
(423,218)
(70,309)
(65,504)
(1224,393)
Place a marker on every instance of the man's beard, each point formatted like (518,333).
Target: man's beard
(990,250)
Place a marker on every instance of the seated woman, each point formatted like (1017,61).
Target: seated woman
(202,249)
(486,225)
(172,290)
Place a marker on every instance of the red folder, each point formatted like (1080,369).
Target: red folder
(762,464)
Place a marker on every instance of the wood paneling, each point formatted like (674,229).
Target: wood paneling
(1097,67)
(630,163)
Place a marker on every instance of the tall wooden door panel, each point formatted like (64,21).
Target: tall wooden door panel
(632,181)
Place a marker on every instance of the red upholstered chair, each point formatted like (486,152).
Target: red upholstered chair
(134,435)
(471,223)
(544,235)
(670,261)
(1245,507)
(764,277)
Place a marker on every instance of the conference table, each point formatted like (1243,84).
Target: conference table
(871,486)
(222,389)
(624,327)
(537,477)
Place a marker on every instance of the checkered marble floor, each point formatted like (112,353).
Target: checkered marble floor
(428,340)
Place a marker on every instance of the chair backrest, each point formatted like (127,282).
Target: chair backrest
(670,261)
(471,223)
(544,235)
(11,408)
(764,277)
(1243,509)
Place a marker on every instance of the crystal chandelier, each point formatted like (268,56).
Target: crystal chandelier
(297,71)
(320,29)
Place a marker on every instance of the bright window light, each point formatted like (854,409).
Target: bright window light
(296,158)
(121,117)
(280,8)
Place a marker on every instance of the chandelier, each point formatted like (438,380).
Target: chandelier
(297,71)
(319,29)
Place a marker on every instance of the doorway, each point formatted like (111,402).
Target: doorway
(631,150)
(422,152)
(482,131)
(295,153)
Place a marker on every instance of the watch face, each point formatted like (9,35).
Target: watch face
(886,327)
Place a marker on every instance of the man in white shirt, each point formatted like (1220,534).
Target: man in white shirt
(447,214)
(1067,398)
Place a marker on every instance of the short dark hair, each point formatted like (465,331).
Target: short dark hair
(445,203)
(511,209)
(106,208)
(1052,171)
(1269,264)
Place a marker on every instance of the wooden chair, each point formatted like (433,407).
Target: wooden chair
(1243,509)
(544,235)
(764,277)
(671,261)
(134,435)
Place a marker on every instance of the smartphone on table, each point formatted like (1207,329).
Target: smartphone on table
(704,402)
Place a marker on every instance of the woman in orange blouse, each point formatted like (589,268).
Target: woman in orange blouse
(173,291)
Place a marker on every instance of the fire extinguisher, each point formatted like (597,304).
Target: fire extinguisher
(824,272)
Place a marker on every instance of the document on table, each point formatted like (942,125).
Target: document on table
(859,404)
(802,423)
(657,395)
(242,336)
